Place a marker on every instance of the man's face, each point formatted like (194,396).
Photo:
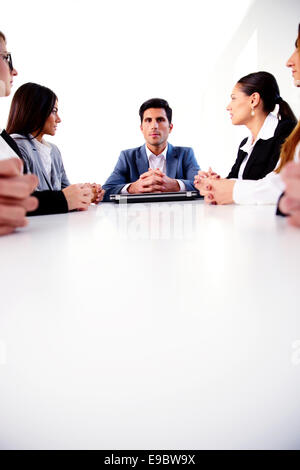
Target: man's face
(155,126)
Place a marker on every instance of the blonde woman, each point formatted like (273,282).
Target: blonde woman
(290,202)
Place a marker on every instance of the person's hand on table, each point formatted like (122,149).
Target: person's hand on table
(98,192)
(205,174)
(149,182)
(15,191)
(153,181)
(216,191)
(170,185)
(79,196)
(290,202)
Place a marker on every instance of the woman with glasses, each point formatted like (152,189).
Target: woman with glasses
(34,114)
(76,196)
(15,188)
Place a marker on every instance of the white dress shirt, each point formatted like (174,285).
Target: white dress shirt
(156,161)
(5,150)
(264,191)
(266,132)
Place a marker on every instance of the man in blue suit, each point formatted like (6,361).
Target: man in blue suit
(157,166)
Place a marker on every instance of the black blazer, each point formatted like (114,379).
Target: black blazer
(265,154)
(50,202)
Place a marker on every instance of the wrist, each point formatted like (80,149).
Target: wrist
(176,186)
(129,189)
(132,188)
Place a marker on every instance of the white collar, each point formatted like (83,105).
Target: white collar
(162,154)
(266,132)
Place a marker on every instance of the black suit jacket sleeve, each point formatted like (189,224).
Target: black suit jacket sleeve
(265,154)
(50,202)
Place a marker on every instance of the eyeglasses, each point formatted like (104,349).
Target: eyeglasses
(8,59)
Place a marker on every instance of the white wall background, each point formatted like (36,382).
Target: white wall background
(104,58)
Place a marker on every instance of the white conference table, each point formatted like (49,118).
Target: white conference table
(151,326)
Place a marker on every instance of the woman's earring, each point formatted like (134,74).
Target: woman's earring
(252,111)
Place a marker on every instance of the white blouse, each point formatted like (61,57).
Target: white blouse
(264,191)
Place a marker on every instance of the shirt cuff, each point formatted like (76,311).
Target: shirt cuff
(181,185)
(264,191)
(124,189)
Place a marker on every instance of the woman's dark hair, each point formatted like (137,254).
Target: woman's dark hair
(266,85)
(156,103)
(2,36)
(31,105)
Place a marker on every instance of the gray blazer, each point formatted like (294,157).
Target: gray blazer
(34,164)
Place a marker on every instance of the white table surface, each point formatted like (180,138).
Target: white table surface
(151,326)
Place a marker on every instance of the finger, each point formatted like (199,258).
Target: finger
(203,174)
(18,187)
(87,192)
(212,173)
(152,189)
(209,198)
(159,179)
(204,193)
(100,196)
(157,188)
(152,184)
(11,167)
(294,219)
(12,215)
(148,173)
(152,180)
(29,204)
(86,199)
(288,204)
(6,229)
(292,188)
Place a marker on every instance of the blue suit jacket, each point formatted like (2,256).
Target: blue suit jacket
(132,163)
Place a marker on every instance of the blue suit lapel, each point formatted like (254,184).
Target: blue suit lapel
(172,161)
(142,162)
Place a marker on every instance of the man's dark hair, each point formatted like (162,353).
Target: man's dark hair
(156,103)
